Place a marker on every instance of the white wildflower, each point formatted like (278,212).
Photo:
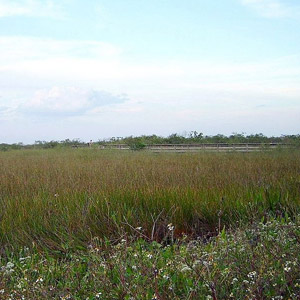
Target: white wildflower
(170,227)
(185,268)
(22,259)
(9,265)
(234,280)
(252,274)
(39,280)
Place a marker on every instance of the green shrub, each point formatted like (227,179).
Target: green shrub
(136,146)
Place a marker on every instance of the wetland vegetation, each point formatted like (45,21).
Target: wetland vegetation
(98,224)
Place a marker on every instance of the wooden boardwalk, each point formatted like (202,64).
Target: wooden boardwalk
(242,147)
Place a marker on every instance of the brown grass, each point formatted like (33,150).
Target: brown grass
(67,196)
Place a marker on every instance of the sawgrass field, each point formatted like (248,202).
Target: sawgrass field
(100,224)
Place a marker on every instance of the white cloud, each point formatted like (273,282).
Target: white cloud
(44,63)
(273,8)
(7,112)
(61,81)
(15,49)
(30,8)
(101,65)
(67,101)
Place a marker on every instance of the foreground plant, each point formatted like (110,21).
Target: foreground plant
(259,262)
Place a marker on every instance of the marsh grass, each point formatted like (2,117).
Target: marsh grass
(62,198)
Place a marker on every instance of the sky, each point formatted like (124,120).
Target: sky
(96,69)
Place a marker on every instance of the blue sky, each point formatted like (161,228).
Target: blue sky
(95,69)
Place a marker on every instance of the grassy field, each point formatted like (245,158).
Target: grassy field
(165,208)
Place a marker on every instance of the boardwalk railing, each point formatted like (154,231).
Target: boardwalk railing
(240,147)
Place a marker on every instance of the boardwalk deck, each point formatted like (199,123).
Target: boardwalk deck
(249,147)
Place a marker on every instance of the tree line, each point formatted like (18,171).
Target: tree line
(137,142)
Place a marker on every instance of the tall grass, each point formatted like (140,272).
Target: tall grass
(64,198)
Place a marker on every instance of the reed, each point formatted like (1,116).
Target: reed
(62,197)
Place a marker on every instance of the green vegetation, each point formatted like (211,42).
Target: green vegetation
(259,262)
(55,196)
(194,137)
(139,142)
(136,145)
(97,224)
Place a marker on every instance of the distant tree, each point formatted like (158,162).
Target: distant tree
(175,139)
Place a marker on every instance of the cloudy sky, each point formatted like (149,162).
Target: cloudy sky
(101,68)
